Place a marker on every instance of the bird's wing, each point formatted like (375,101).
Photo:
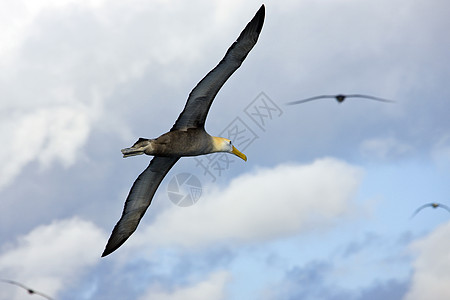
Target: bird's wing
(368,97)
(15,283)
(11,282)
(201,97)
(138,201)
(444,207)
(29,290)
(310,99)
(42,294)
(420,208)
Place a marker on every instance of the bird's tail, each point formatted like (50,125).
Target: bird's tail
(137,149)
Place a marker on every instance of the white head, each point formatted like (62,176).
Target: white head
(225,145)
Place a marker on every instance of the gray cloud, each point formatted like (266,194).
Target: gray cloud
(312,281)
(51,256)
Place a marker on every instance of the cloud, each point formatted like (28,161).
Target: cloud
(440,152)
(259,206)
(317,280)
(45,135)
(51,257)
(66,60)
(369,239)
(431,264)
(211,288)
(386,148)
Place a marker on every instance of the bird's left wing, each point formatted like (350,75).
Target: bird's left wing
(444,207)
(139,200)
(368,97)
(201,97)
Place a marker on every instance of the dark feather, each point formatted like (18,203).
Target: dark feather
(139,200)
(201,97)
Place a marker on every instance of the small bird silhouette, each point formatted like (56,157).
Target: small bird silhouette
(340,98)
(30,291)
(433,205)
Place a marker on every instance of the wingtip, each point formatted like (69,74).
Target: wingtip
(112,245)
(260,15)
(104,253)
(120,234)
(262,9)
(107,251)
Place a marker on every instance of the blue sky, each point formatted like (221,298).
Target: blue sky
(322,207)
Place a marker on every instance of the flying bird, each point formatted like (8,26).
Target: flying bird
(340,98)
(187,137)
(433,205)
(30,291)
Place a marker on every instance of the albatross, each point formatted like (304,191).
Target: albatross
(340,98)
(433,205)
(187,137)
(29,290)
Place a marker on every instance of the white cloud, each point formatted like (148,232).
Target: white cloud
(431,277)
(440,152)
(64,59)
(45,135)
(17,17)
(211,288)
(262,205)
(51,257)
(384,148)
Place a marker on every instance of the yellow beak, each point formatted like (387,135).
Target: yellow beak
(238,153)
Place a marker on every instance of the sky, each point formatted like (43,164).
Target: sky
(322,208)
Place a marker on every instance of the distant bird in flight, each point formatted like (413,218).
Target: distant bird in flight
(340,98)
(187,137)
(30,291)
(433,205)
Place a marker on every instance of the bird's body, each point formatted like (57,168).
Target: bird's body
(340,98)
(187,137)
(190,142)
(432,205)
(29,290)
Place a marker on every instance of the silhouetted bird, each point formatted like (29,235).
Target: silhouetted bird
(433,205)
(30,291)
(340,98)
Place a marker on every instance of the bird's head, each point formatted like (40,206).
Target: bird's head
(225,145)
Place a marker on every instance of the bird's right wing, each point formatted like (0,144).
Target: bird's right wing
(310,99)
(201,97)
(139,200)
(420,208)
